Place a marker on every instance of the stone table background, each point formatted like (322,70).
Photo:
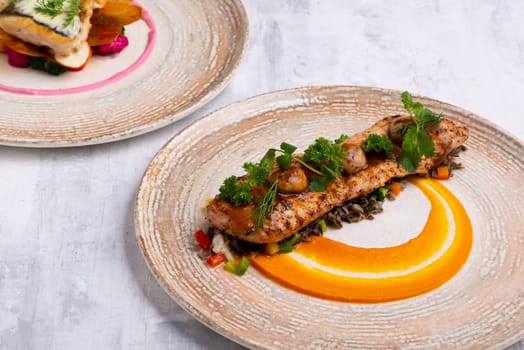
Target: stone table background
(71,274)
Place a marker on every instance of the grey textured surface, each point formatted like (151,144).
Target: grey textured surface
(71,274)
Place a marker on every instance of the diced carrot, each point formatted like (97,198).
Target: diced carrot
(216,259)
(442,172)
(395,188)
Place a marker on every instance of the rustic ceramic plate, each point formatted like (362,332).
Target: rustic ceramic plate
(482,307)
(181,55)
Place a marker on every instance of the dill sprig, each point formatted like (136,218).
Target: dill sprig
(266,204)
(50,8)
(54,8)
(72,12)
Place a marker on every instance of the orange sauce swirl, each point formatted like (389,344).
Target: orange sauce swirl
(333,270)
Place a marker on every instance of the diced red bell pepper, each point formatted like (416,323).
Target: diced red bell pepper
(203,240)
(216,259)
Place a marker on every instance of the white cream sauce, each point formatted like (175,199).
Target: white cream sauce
(27,8)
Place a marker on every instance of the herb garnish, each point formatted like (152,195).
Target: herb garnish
(378,143)
(266,204)
(54,8)
(258,172)
(284,161)
(328,155)
(417,142)
(236,191)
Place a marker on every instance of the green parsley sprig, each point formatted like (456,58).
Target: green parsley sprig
(416,142)
(328,156)
(378,144)
(236,191)
(239,191)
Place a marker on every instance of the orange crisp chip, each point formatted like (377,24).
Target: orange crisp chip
(107,22)
(28,49)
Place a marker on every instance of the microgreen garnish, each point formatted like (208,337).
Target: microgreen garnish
(266,204)
(378,143)
(284,161)
(417,142)
(328,156)
(53,8)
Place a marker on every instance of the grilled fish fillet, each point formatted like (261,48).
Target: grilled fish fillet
(22,21)
(293,212)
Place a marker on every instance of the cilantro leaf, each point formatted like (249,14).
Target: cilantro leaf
(236,191)
(409,161)
(427,119)
(378,143)
(287,148)
(416,144)
(284,161)
(426,147)
(407,100)
(319,183)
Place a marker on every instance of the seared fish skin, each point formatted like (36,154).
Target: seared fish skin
(293,212)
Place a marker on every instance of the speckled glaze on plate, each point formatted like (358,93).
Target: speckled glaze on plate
(482,307)
(199,44)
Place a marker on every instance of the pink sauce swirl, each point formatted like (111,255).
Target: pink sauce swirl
(147,18)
